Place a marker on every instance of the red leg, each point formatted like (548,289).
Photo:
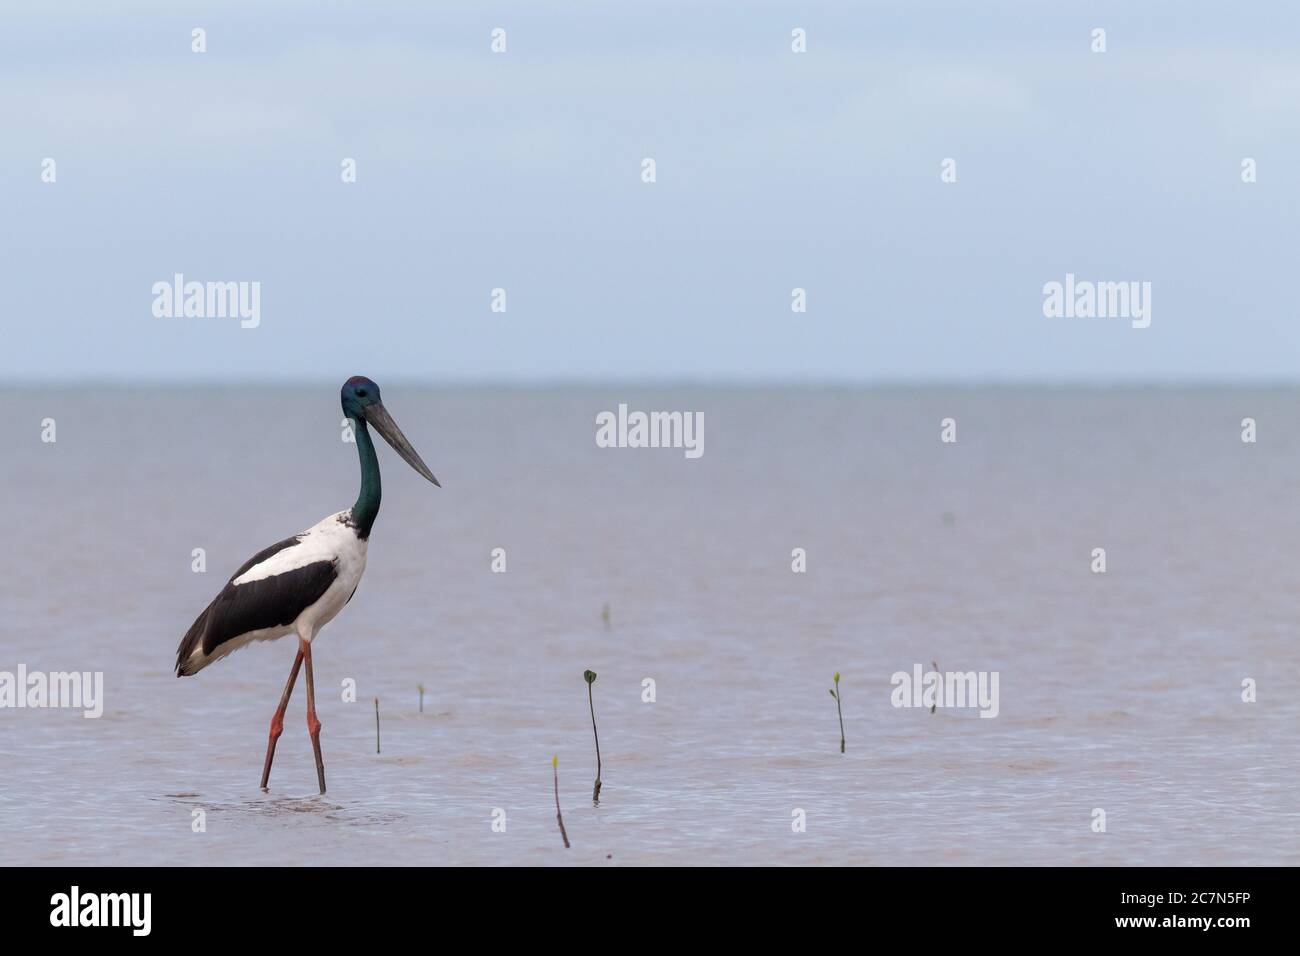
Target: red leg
(277,720)
(313,723)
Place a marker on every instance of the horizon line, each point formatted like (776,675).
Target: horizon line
(715,382)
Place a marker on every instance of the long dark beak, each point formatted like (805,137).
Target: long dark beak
(378,416)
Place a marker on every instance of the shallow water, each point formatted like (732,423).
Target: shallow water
(1119,691)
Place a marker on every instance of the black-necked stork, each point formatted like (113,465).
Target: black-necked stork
(298,585)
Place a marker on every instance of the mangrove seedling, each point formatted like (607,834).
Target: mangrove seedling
(838,708)
(376,725)
(555,769)
(935,665)
(590,678)
(420,688)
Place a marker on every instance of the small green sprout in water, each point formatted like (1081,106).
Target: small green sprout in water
(590,678)
(555,769)
(376,725)
(935,665)
(839,708)
(420,688)
(604,614)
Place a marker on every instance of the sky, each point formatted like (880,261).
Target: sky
(774,170)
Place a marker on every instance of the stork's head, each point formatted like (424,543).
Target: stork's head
(358,393)
(362,403)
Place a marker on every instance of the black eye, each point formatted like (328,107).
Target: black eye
(361,393)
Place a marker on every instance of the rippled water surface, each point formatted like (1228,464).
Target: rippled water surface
(1119,691)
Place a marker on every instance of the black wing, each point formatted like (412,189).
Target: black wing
(269,602)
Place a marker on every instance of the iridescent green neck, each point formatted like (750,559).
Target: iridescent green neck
(367,506)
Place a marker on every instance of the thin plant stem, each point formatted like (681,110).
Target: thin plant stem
(591,679)
(839,709)
(555,769)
